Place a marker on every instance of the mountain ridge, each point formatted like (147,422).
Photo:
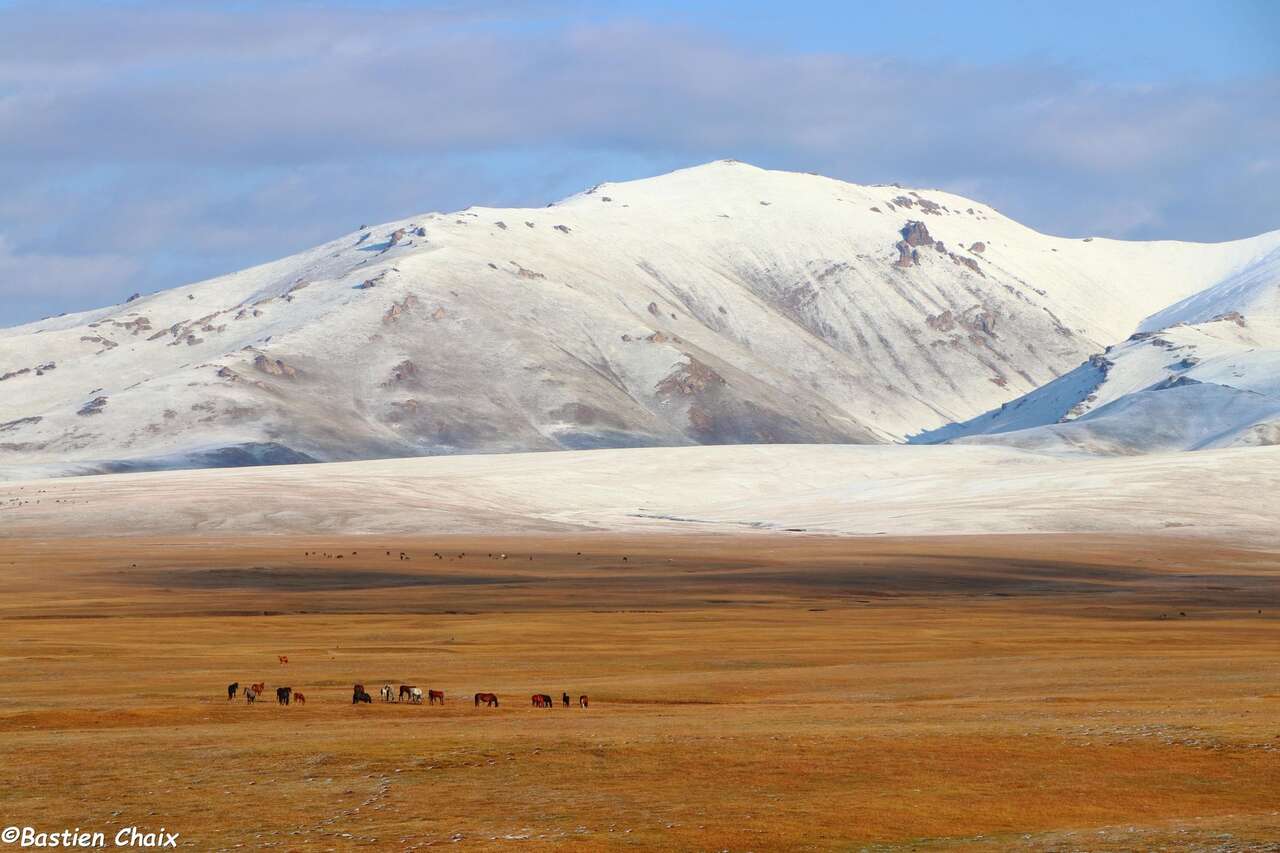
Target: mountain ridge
(718,304)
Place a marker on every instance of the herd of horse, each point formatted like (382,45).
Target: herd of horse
(284,695)
(407,692)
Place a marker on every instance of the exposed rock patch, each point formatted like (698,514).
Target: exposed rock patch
(9,426)
(274,366)
(405,371)
(688,379)
(107,343)
(907,256)
(943,322)
(967,262)
(93,407)
(398,308)
(521,272)
(916,233)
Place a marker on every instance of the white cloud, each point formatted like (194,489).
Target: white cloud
(196,137)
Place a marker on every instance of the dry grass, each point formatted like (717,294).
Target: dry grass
(748,694)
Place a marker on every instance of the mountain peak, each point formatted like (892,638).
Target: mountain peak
(723,303)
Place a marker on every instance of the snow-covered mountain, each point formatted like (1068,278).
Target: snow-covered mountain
(719,304)
(1203,373)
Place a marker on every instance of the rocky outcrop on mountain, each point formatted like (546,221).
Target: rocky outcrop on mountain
(907,256)
(274,366)
(93,407)
(916,233)
(398,308)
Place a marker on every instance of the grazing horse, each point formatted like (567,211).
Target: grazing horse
(415,695)
(358,695)
(582,701)
(232,689)
(359,688)
(433,695)
(299,698)
(250,695)
(542,700)
(405,690)
(489,699)
(283,694)
(283,658)
(388,695)
(564,699)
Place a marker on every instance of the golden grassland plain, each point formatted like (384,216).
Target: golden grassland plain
(746,693)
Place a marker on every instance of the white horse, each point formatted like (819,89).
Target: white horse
(415,695)
(388,695)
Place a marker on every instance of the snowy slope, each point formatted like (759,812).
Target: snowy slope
(1188,387)
(777,490)
(1253,291)
(720,304)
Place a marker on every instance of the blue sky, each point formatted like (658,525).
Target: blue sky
(144,144)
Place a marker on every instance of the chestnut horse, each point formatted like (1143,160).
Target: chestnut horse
(299,698)
(259,687)
(433,695)
(283,658)
(489,699)
(582,700)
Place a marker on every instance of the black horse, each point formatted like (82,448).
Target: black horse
(232,689)
(361,696)
(564,699)
(283,695)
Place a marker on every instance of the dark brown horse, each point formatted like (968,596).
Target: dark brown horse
(405,690)
(359,695)
(582,701)
(232,689)
(433,695)
(564,699)
(283,694)
(489,699)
